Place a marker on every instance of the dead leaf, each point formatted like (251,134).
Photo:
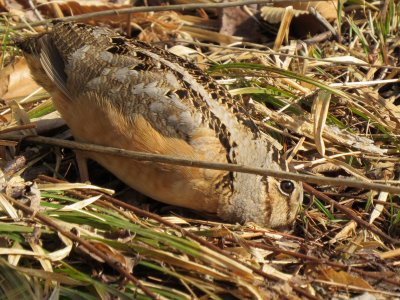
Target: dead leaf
(16,80)
(69,8)
(346,232)
(344,278)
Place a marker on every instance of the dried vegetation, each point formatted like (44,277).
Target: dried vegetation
(329,96)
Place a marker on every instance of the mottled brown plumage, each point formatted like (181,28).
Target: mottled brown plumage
(124,93)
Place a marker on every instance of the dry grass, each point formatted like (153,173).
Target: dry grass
(334,108)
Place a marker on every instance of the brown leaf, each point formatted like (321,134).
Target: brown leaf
(346,232)
(16,80)
(69,8)
(344,278)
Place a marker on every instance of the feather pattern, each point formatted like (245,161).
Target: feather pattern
(125,93)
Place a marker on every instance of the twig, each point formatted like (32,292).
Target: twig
(115,264)
(130,10)
(166,159)
(110,201)
(348,212)
(18,128)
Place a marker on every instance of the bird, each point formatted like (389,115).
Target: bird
(120,92)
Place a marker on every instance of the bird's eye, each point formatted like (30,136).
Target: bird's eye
(287,186)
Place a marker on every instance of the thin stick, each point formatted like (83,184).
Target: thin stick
(166,159)
(115,264)
(110,202)
(130,10)
(17,128)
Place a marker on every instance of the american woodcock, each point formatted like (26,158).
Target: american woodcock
(124,93)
